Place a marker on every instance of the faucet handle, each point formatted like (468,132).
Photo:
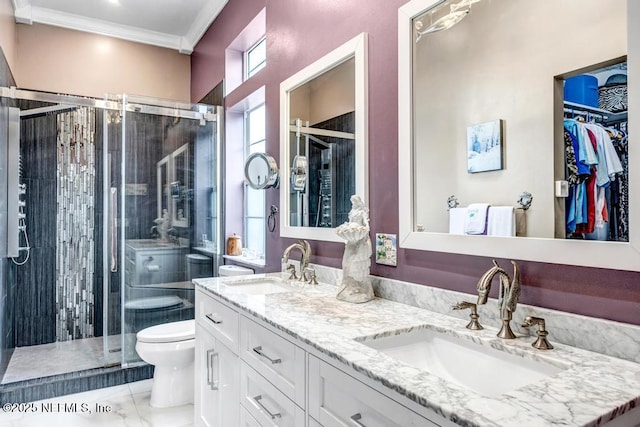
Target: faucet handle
(541,343)
(473,323)
(292,269)
(309,276)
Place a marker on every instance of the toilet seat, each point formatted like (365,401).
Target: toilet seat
(168,332)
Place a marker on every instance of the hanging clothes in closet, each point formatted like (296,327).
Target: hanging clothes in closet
(595,172)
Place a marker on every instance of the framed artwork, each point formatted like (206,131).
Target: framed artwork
(485,147)
(386,249)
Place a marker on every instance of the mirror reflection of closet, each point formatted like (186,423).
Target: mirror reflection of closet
(595,176)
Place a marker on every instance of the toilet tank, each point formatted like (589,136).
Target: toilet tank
(234,270)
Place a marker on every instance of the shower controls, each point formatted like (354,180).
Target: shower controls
(9,181)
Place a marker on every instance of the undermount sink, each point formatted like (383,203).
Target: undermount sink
(481,368)
(257,285)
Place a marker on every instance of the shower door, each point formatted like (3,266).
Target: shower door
(164,199)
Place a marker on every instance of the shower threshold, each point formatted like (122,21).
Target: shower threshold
(62,357)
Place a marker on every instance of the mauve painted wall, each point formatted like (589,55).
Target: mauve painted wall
(301,31)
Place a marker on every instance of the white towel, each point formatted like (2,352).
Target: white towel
(501,221)
(476,218)
(457,218)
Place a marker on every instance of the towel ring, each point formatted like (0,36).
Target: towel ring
(271,221)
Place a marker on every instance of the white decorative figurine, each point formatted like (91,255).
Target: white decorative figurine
(356,284)
(163,225)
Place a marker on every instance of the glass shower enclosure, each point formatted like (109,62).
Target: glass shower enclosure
(166,202)
(122,210)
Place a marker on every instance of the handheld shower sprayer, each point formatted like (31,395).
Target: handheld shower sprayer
(22,218)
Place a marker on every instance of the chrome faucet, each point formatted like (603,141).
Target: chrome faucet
(305,250)
(508,295)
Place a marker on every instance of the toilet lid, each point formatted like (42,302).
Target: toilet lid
(169,332)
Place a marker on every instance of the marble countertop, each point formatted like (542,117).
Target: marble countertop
(590,390)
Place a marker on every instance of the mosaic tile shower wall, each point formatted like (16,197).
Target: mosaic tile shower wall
(75,248)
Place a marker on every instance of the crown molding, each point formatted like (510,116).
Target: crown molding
(25,13)
(202,22)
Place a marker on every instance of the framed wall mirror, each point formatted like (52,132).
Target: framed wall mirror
(492,104)
(323,142)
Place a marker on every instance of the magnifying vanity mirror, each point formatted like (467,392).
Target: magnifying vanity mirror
(261,171)
(323,142)
(499,97)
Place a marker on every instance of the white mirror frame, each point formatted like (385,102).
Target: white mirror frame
(175,222)
(355,48)
(613,255)
(162,178)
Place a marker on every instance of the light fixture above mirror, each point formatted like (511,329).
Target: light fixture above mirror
(323,142)
(517,80)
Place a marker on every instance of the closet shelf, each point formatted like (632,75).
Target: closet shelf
(607,116)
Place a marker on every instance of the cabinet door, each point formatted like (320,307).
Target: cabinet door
(337,399)
(217,381)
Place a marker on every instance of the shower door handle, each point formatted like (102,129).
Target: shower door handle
(114,230)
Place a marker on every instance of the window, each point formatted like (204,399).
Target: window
(254,200)
(255,58)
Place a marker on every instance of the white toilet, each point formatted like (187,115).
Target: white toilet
(170,348)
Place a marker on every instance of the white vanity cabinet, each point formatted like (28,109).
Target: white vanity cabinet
(337,399)
(250,374)
(217,365)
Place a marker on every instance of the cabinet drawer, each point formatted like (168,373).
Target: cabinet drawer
(265,403)
(218,319)
(246,419)
(278,360)
(337,399)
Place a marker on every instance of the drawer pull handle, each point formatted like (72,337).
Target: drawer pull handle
(258,350)
(355,418)
(273,416)
(214,320)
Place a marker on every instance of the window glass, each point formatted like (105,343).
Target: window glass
(255,233)
(256,57)
(254,200)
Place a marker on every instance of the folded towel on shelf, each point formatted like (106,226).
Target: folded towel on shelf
(476,218)
(457,218)
(501,221)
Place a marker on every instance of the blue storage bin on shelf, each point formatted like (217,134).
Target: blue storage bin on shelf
(582,89)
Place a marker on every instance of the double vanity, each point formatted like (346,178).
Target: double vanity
(270,351)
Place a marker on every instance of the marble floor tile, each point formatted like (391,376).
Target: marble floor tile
(125,405)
